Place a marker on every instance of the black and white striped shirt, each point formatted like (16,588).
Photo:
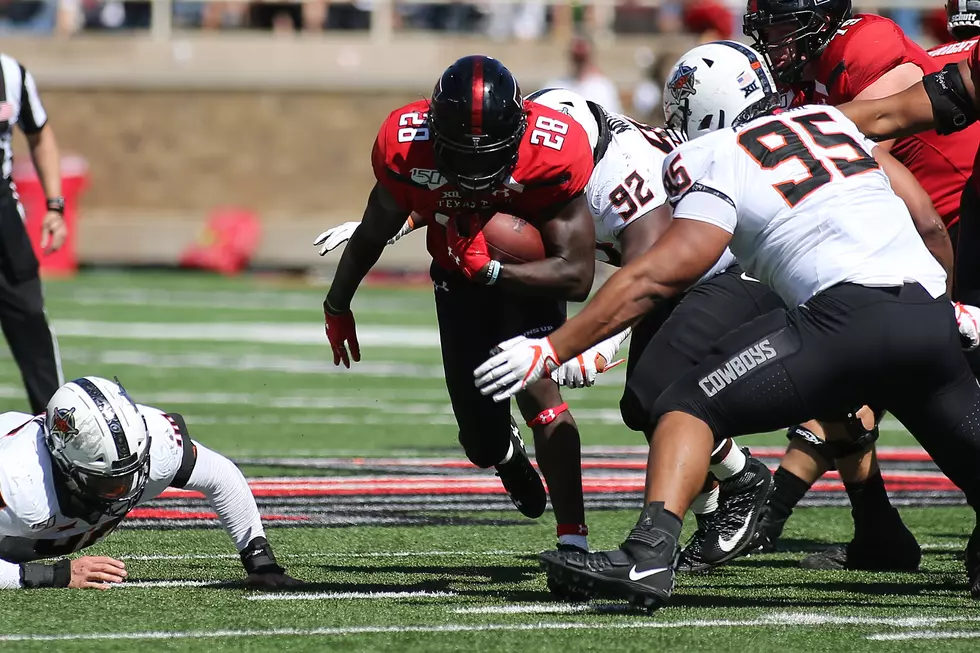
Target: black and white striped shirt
(20,105)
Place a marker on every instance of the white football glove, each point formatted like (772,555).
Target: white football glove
(968,322)
(333,238)
(520,363)
(581,371)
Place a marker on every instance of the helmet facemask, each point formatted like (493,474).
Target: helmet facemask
(790,41)
(479,165)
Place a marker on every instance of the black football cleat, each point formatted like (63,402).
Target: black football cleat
(521,480)
(768,532)
(691,559)
(733,525)
(973,562)
(890,547)
(559,591)
(641,571)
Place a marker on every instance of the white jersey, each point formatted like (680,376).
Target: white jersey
(806,203)
(32,525)
(626,183)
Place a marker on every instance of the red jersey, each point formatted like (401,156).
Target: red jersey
(952,52)
(554,163)
(861,52)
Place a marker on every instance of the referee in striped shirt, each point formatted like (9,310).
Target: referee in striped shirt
(22,316)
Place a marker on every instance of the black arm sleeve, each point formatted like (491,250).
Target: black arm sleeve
(951,104)
(190,452)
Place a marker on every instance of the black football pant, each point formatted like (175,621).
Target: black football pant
(22,317)
(474,319)
(676,337)
(895,349)
(966,285)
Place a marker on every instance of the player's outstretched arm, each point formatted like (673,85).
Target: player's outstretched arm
(86,572)
(684,253)
(225,488)
(927,221)
(945,101)
(382,219)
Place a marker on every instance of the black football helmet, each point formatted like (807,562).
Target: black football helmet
(963,18)
(477,119)
(804,27)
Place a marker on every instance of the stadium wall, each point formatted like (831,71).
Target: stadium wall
(172,130)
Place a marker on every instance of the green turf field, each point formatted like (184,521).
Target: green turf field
(246,362)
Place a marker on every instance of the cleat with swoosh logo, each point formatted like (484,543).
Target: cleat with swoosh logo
(728,532)
(641,571)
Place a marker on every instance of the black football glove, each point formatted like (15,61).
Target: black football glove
(262,569)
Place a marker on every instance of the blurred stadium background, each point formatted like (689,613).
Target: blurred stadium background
(170,112)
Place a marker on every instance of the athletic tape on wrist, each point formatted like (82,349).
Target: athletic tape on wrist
(34,575)
(493,272)
(548,415)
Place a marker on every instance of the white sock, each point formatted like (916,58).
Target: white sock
(706,502)
(731,465)
(580,541)
(510,453)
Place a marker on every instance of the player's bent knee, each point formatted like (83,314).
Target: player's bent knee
(637,414)
(485,448)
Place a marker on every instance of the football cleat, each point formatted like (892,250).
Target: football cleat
(767,533)
(641,571)
(691,559)
(889,549)
(733,525)
(560,592)
(521,480)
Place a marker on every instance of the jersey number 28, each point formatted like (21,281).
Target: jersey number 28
(548,132)
(773,143)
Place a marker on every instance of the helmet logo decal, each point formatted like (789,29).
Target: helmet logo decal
(63,424)
(681,83)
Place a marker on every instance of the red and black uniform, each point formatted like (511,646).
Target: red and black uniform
(553,166)
(861,52)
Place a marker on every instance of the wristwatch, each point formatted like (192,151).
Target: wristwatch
(56,204)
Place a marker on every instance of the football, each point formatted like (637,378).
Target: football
(513,240)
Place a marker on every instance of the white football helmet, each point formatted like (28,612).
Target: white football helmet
(718,85)
(98,439)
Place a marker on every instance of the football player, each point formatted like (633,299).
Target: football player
(848,280)
(629,207)
(70,476)
(475,149)
(820,52)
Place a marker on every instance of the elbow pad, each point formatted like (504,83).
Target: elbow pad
(951,104)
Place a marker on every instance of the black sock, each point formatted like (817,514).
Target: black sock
(789,489)
(869,500)
(655,515)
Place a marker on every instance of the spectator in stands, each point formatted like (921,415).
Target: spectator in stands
(709,20)
(27,15)
(288,16)
(586,79)
(648,94)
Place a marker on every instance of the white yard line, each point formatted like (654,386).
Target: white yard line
(777,620)
(547,608)
(305,333)
(340,596)
(369,554)
(925,634)
(168,583)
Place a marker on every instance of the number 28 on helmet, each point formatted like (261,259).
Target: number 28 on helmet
(477,119)
(792,33)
